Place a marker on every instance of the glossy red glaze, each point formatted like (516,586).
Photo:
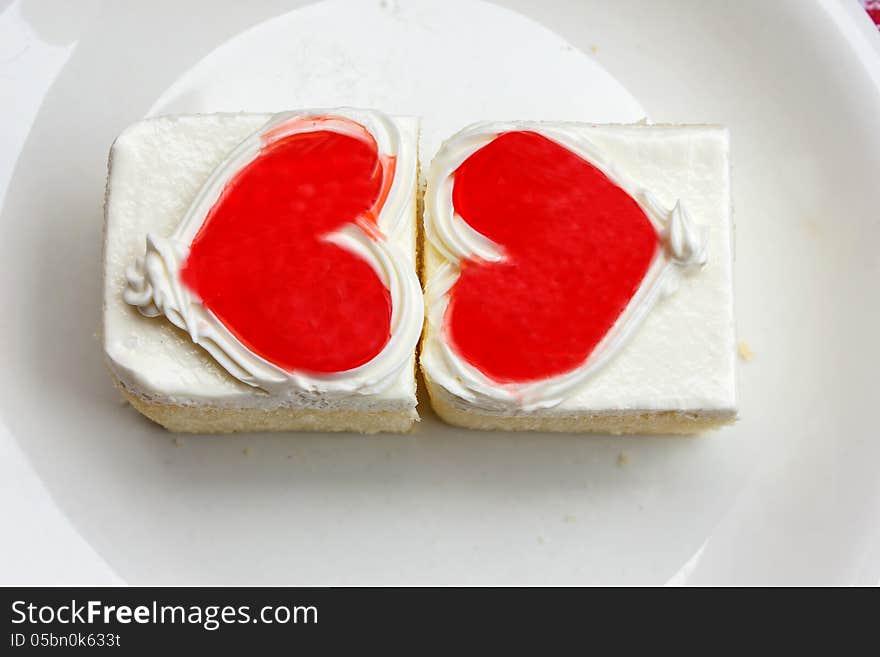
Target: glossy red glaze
(261,265)
(576,248)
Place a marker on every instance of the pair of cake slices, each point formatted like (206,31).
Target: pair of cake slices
(260,273)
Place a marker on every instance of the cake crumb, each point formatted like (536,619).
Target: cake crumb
(569,519)
(622,459)
(812,227)
(177,442)
(745,351)
(246,451)
(594,49)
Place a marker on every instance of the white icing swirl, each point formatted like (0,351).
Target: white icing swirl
(685,247)
(687,242)
(154,285)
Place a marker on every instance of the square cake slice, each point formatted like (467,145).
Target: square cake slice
(580,278)
(260,271)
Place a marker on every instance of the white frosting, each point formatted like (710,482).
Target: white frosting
(155,288)
(165,174)
(686,245)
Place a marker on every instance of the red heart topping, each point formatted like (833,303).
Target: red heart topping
(576,248)
(262,265)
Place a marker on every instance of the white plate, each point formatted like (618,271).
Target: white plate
(95,493)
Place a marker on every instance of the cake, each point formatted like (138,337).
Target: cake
(579,278)
(260,271)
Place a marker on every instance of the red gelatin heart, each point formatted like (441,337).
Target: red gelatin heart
(576,248)
(261,264)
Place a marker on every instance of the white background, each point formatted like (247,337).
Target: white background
(91,493)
